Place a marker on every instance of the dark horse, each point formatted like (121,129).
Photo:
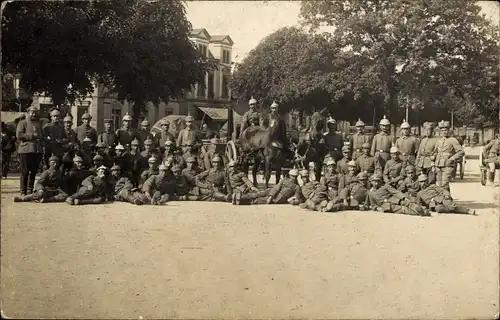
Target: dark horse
(268,144)
(311,146)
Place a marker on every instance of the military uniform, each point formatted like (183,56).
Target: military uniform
(365,163)
(284,190)
(426,156)
(439,200)
(381,145)
(55,138)
(122,189)
(317,197)
(174,158)
(342,166)
(93,190)
(331,181)
(108,139)
(388,199)
(163,137)
(126,136)
(190,174)
(84,131)
(210,185)
(448,152)
(250,118)
(350,198)
(159,188)
(334,143)
(408,148)
(358,140)
(346,179)
(145,135)
(75,178)
(392,172)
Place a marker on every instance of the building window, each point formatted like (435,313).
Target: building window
(201,89)
(225,86)
(210,86)
(203,49)
(116,115)
(225,56)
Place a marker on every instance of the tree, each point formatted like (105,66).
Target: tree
(139,49)
(424,51)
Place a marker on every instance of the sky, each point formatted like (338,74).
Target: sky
(248,22)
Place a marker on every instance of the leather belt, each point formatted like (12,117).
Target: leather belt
(358,150)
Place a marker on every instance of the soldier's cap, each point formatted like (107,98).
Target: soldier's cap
(86,115)
(127,117)
(385,121)
(148,142)
(115,168)
(429,125)
(168,142)
(98,157)
(145,123)
(252,101)
(162,167)
(293,173)
(376,177)
(108,120)
(410,169)
(405,125)
(444,124)
(190,160)
(360,123)
(274,105)
(422,177)
(330,162)
(32,108)
(189,119)
(213,141)
(394,150)
(55,112)
(366,145)
(152,159)
(77,159)
(331,121)
(362,176)
(351,163)
(216,159)
(53,158)
(119,146)
(165,123)
(304,173)
(188,144)
(68,118)
(87,139)
(135,142)
(100,145)
(102,168)
(176,168)
(346,148)
(231,163)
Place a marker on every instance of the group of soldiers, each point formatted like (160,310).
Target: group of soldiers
(408,176)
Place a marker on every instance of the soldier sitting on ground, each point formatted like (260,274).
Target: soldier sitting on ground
(172,155)
(438,199)
(342,164)
(409,185)
(238,184)
(211,183)
(49,186)
(97,162)
(346,179)
(365,162)
(151,171)
(106,158)
(191,171)
(135,161)
(182,189)
(331,179)
(93,189)
(122,159)
(159,188)
(352,197)
(122,189)
(86,152)
(313,194)
(393,168)
(76,175)
(307,187)
(285,189)
(384,198)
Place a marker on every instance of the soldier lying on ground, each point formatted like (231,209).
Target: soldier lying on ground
(93,190)
(48,188)
(384,198)
(239,185)
(211,183)
(350,198)
(346,179)
(122,189)
(392,169)
(438,199)
(159,188)
(76,175)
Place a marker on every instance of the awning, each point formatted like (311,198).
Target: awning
(215,113)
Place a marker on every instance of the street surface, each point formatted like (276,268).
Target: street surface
(215,260)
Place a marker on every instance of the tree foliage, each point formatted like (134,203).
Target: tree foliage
(416,53)
(139,49)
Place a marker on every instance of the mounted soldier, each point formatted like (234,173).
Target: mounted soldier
(251,117)
(334,141)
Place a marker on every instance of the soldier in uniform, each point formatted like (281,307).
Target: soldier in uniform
(191,171)
(358,140)
(407,144)
(352,197)
(384,198)
(492,153)
(381,145)
(135,159)
(393,168)
(151,171)
(342,166)
(365,162)
(125,135)
(76,175)
(238,183)
(70,146)
(145,132)
(438,199)
(448,151)
(29,133)
(211,152)
(97,162)
(55,138)
(164,135)
(49,186)
(251,117)
(159,188)
(347,178)
(122,159)
(211,183)
(101,150)
(182,188)
(426,154)
(285,189)
(331,179)
(86,131)
(189,138)
(122,189)
(409,184)
(172,156)
(313,194)
(108,137)
(334,142)
(86,152)
(146,154)
(93,189)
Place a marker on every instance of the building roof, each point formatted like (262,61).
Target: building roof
(200,33)
(220,38)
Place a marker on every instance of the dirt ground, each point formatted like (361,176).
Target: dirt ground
(215,260)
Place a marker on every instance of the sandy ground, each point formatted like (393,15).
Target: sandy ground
(215,260)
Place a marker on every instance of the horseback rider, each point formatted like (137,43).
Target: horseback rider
(251,117)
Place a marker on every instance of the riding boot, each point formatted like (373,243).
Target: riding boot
(155,199)
(491,178)
(97,200)
(27,198)
(310,204)
(218,196)
(164,199)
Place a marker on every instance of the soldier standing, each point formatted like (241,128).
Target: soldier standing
(85,130)
(29,133)
(365,162)
(251,117)
(70,146)
(427,153)
(189,138)
(126,134)
(145,132)
(448,152)
(334,142)
(108,137)
(342,166)
(163,136)
(407,144)
(359,139)
(54,136)
(381,145)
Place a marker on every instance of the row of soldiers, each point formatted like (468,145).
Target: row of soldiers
(407,194)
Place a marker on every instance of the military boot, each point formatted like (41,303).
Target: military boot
(491,178)
(310,204)
(29,197)
(218,196)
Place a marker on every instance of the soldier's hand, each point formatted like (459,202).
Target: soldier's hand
(254,189)
(346,203)
(269,200)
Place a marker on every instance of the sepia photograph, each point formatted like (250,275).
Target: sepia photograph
(329,159)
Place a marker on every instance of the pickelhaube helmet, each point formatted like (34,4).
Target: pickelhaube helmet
(115,168)
(152,159)
(330,162)
(119,146)
(351,163)
(304,173)
(360,123)
(376,177)
(385,121)
(127,117)
(216,158)
(86,115)
(102,168)
(405,125)
(362,176)
(98,157)
(189,119)
(422,177)
(252,101)
(86,139)
(32,108)
(331,121)
(53,158)
(148,142)
(68,118)
(274,105)
(168,143)
(135,142)
(394,150)
(77,159)
(293,173)
(346,149)
(54,112)
(444,124)
(231,163)
(144,123)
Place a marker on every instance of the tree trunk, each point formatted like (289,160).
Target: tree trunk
(137,108)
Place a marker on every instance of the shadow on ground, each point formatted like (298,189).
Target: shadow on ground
(477,205)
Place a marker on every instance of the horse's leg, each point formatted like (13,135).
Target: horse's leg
(318,169)
(255,170)
(267,170)
(278,171)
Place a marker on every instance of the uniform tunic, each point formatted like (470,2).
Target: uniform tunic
(125,136)
(49,185)
(238,182)
(346,179)
(408,148)
(75,178)
(188,136)
(308,188)
(342,166)
(448,150)
(109,139)
(84,131)
(334,143)
(426,153)
(331,181)
(163,137)
(356,144)
(284,190)
(409,186)
(161,184)
(55,138)
(381,146)
(439,199)
(92,188)
(248,119)
(392,171)
(365,164)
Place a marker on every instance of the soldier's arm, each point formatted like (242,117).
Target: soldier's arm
(341,183)
(374,145)
(40,184)
(200,179)
(276,189)
(459,150)
(88,182)
(21,132)
(322,181)
(247,182)
(179,138)
(298,194)
(398,194)
(147,186)
(401,186)
(386,173)
(417,143)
